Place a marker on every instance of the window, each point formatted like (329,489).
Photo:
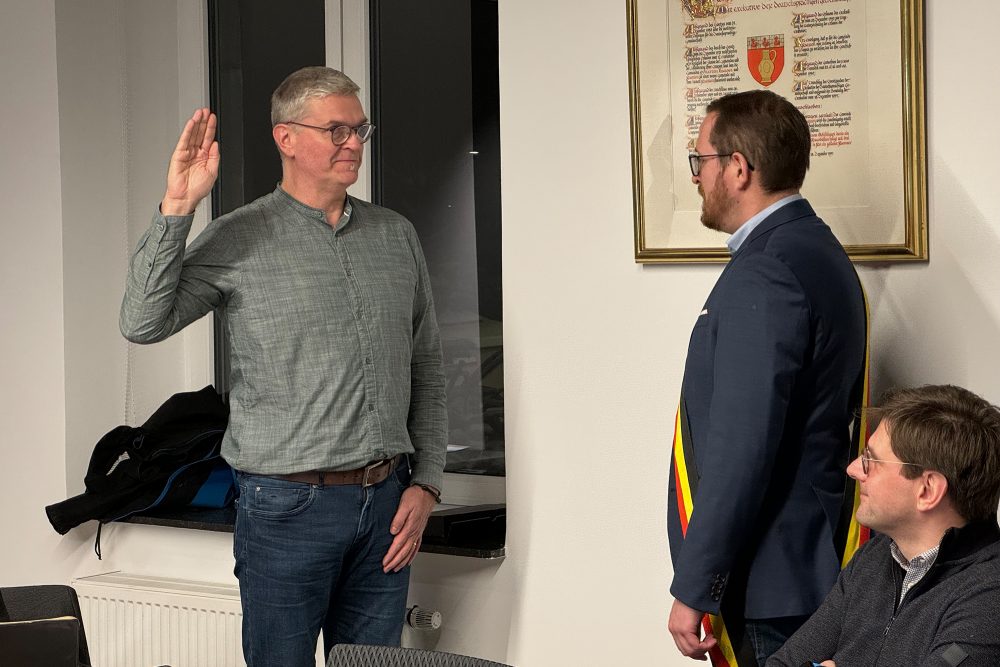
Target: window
(436,160)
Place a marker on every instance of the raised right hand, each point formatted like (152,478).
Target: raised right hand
(194,165)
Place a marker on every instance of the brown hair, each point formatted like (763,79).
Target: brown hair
(950,430)
(770,133)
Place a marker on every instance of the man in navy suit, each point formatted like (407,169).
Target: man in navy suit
(773,378)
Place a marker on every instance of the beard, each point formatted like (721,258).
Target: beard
(715,206)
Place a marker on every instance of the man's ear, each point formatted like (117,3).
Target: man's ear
(742,170)
(932,491)
(283,139)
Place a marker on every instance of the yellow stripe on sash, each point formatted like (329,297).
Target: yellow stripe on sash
(856,533)
(683,484)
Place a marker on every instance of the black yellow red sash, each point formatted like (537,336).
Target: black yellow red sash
(850,535)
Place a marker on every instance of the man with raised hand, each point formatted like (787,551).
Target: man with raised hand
(338,421)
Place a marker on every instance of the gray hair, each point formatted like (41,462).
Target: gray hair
(289,99)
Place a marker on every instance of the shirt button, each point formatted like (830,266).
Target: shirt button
(371,407)
(368,360)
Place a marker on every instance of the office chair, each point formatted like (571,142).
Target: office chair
(359,655)
(28,603)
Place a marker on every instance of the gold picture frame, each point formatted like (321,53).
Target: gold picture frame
(856,69)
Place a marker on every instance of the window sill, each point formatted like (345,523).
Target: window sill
(474,531)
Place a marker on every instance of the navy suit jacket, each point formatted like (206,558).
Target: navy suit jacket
(771,383)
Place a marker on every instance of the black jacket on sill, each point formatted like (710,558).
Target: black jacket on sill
(167,462)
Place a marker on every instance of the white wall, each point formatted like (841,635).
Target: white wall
(594,343)
(94,193)
(940,322)
(32,398)
(65,190)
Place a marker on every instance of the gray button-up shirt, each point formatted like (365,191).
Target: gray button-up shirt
(335,350)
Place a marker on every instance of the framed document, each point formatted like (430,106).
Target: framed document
(855,68)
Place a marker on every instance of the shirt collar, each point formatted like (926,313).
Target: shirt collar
(915,569)
(741,234)
(316,213)
(922,560)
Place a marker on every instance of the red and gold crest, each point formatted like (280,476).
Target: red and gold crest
(766,57)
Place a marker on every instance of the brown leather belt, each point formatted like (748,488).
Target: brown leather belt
(373,473)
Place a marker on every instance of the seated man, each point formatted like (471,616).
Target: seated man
(926,590)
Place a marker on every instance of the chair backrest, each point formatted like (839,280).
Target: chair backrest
(28,603)
(359,655)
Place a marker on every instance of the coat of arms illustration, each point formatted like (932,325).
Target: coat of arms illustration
(766,57)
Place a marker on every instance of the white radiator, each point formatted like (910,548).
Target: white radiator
(141,621)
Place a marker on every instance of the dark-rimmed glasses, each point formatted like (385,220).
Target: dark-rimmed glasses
(339,134)
(866,460)
(694,161)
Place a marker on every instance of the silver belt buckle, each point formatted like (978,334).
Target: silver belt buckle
(368,469)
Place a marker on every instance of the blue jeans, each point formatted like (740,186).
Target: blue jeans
(768,634)
(309,558)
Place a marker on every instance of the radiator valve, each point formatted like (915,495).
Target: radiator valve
(423,619)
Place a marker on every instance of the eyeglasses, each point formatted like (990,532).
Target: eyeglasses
(339,134)
(694,161)
(866,460)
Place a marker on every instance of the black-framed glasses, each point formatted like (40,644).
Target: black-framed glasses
(694,161)
(339,134)
(866,460)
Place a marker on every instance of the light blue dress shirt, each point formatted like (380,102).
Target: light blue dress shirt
(741,234)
